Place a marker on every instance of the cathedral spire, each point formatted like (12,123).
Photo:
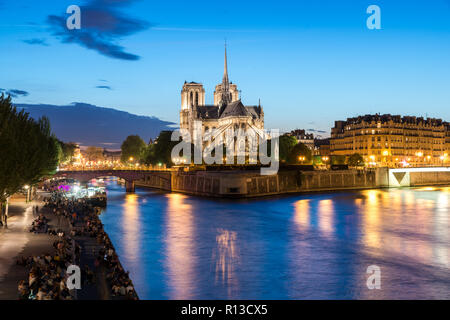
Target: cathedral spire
(225,69)
(226,94)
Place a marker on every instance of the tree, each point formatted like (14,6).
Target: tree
(338,159)
(161,150)
(356,160)
(29,150)
(94,153)
(67,151)
(300,154)
(286,144)
(133,148)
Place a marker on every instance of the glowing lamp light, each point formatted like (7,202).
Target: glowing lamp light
(385,153)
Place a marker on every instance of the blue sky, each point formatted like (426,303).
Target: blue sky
(310,62)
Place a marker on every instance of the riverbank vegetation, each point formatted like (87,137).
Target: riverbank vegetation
(29,150)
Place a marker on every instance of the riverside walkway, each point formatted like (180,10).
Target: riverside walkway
(16,241)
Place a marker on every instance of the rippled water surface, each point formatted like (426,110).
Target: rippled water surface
(297,247)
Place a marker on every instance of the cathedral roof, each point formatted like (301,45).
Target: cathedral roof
(233,109)
(208,112)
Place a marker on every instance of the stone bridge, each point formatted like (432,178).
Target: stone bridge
(160,179)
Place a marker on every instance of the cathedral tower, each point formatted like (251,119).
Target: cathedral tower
(192,94)
(226,91)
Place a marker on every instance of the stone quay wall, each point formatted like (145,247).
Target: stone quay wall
(429,178)
(252,184)
(242,184)
(162,180)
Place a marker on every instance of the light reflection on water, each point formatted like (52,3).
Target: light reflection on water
(297,247)
(179,246)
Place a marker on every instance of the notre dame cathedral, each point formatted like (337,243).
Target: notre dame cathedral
(227,112)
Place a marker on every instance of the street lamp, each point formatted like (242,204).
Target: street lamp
(27,187)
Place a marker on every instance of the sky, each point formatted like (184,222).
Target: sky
(309,62)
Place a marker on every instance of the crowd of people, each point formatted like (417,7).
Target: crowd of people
(40,224)
(47,275)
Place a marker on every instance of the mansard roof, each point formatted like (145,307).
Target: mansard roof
(394,118)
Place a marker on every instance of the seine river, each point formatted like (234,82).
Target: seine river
(315,246)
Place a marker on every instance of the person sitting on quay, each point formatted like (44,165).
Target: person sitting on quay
(84,221)
(40,225)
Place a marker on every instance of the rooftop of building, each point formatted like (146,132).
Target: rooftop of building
(384,118)
(233,109)
(302,134)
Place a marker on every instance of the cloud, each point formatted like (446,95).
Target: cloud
(14,93)
(102,25)
(317,131)
(37,41)
(104,87)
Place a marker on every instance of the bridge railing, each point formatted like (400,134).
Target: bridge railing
(113,168)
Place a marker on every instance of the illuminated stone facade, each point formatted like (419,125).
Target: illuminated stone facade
(227,111)
(392,140)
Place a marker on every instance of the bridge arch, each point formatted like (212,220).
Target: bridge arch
(130,176)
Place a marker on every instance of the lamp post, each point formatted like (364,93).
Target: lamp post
(27,187)
(131,159)
(325,160)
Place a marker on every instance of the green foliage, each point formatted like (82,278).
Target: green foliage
(317,160)
(161,150)
(133,148)
(286,144)
(29,151)
(93,153)
(356,160)
(67,151)
(338,160)
(299,151)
